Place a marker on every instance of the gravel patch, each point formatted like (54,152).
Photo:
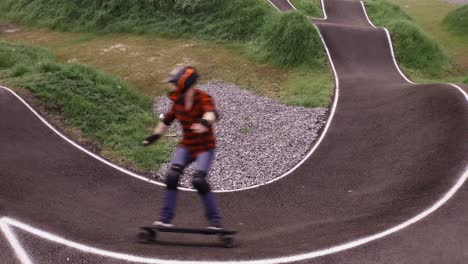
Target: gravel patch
(258,138)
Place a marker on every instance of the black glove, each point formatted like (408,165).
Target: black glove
(151,139)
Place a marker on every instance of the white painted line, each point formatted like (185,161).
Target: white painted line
(389,43)
(271,3)
(293,258)
(327,126)
(324,11)
(311,17)
(14,243)
(365,13)
(393,57)
(313,254)
(140,177)
(289,2)
(460,89)
(143,178)
(307,156)
(324,132)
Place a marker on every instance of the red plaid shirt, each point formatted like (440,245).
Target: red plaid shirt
(195,142)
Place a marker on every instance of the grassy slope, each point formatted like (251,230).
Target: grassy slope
(311,8)
(249,22)
(102,106)
(285,40)
(428,15)
(416,51)
(456,22)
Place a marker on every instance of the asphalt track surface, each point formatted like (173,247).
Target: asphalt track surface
(392,150)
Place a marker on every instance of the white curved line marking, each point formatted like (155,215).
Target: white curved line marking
(292,5)
(390,43)
(271,3)
(78,146)
(294,258)
(324,11)
(393,57)
(14,243)
(327,126)
(460,89)
(300,257)
(316,18)
(367,17)
(143,178)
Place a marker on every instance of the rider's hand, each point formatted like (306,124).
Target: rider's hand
(151,139)
(199,128)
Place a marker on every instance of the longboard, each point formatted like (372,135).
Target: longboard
(150,233)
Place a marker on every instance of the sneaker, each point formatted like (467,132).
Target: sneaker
(215,225)
(162,224)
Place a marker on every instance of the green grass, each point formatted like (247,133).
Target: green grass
(307,90)
(429,15)
(416,51)
(287,34)
(247,22)
(311,8)
(456,22)
(102,106)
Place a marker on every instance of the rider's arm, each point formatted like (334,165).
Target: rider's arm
(161,128)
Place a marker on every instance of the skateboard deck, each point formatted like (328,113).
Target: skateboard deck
(150,233)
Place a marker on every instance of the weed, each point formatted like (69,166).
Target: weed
(20,70)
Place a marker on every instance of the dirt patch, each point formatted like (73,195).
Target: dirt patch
(457,1)
(9,28)
(115,48)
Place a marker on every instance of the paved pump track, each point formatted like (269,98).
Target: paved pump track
(385,184)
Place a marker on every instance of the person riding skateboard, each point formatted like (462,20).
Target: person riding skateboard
(196,111)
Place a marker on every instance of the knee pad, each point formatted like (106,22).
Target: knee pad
(172,176)
(200,183)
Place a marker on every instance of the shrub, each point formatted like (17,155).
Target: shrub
(456,21)
(291,35)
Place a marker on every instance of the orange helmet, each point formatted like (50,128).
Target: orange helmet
(184,78)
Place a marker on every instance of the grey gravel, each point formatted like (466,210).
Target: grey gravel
(258,138)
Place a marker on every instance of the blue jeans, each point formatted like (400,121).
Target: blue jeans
(202,163)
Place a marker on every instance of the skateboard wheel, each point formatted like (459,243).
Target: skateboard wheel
(146,236)
(228,241)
